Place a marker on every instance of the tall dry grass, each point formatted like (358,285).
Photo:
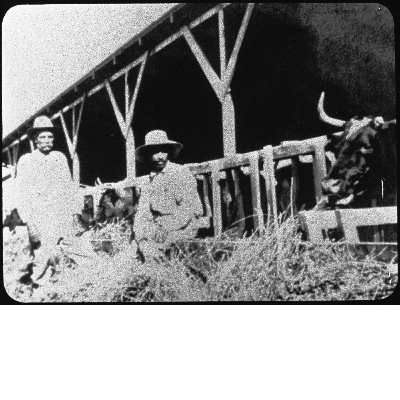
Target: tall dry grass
(273,264)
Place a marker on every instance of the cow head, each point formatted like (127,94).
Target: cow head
(359,152)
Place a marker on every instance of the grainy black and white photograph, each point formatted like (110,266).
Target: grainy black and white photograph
(199,153)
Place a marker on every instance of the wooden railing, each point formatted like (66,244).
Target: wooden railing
(316,223)
(249,164)
(255,163)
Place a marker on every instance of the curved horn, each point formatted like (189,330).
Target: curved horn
(324,117)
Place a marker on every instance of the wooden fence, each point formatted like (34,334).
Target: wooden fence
(317,223)
(255,164)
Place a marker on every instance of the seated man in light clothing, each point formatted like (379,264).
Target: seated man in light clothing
(169,204)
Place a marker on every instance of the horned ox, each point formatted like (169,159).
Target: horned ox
(366,161)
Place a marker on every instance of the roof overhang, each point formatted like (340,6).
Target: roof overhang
(148,39)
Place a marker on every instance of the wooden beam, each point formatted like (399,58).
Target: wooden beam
(222,48)
(233,58)
(269,175)
(117,112)
(73,127)
(349,219)
(377,234)
(166,42)
(76,167)
(75,138)
(205,65)
(129,110)
(130,66)
(319,168)
(129,116)
(9,156)
(294,187)
(207,205)
(228,124)
(279,152)
(206,16)
(228,110)
(130,155)
(68,107)
(258,217)
(159,47)
(314,222)
(127,95)
(15,153)
(118,74)
(66,134)
(239,202)
(192,25)
(216,194)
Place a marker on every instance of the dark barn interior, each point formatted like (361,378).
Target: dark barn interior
(289,55)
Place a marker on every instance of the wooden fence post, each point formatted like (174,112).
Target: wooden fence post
(258,217)
(216,194)
(269,175)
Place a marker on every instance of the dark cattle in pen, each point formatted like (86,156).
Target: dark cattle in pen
(113,207)
(366,162)
(116,206)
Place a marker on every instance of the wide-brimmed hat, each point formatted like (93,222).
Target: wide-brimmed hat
(42,123)
(156,141)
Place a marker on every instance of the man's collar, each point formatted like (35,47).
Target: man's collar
(167,167)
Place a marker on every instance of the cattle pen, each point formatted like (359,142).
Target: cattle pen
(237,84)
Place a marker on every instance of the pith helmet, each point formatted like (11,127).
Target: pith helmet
(42,123)
(156,141)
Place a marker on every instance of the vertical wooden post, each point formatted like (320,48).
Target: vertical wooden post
(76,170)
(239,203)
(125,122)
(319,167)
(377,234)
(9,156)
(269,176)
(295,184)
(130,156)
(216,194)
(258,217)
(206,197)
(72,144)
(221,86)
(228,110)
(228,124)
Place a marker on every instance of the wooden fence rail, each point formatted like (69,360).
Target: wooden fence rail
(255,163)
(316,223)
(249,163)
